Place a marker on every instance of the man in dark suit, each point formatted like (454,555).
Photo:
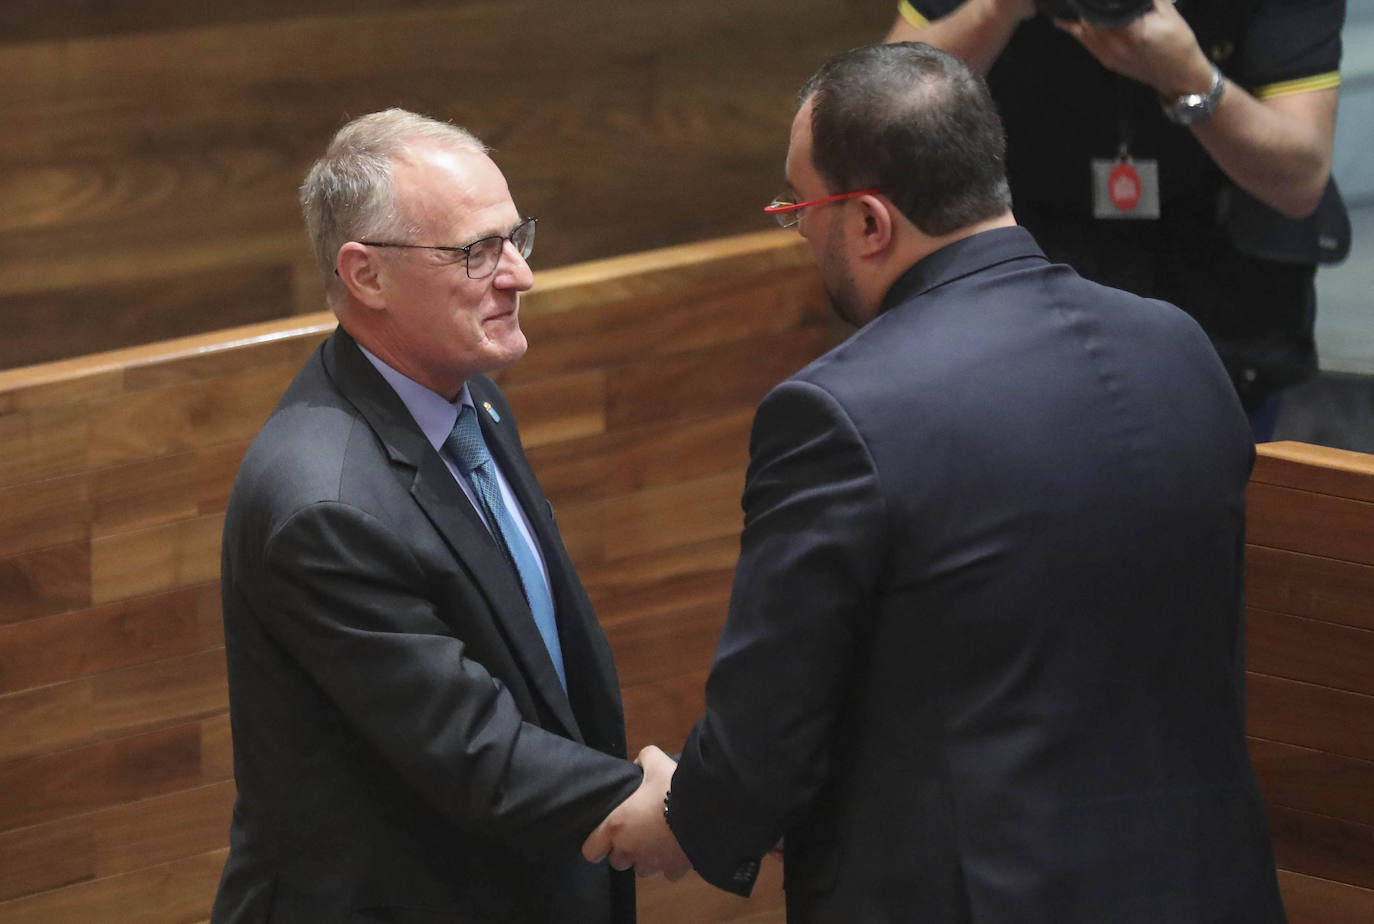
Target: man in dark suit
(983,661)
(426,718)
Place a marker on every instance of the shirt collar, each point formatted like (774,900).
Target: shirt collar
(434,414)
(962,258)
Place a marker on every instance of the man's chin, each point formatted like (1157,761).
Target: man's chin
(507,349)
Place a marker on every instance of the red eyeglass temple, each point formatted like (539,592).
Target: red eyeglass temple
(792,207)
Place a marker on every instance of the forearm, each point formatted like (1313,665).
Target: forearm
(810,554)
(395,670)
(976,32)
(1278,150)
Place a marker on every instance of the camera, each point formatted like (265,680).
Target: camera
(1109,14)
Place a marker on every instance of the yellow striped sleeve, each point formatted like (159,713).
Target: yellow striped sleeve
(1325,81)
(910,14)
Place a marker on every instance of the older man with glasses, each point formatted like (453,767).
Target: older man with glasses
(426,718)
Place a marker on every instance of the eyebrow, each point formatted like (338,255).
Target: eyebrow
(482,235)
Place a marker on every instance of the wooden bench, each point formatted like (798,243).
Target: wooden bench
(635,402)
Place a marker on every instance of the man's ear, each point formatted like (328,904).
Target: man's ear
(361,273)
(876,229)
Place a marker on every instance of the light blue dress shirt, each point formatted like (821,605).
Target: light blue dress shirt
(435,415)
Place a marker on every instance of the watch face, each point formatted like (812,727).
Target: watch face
(1195,107)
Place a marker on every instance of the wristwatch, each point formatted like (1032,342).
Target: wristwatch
(1196,108)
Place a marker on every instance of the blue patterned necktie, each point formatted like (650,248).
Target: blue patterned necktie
(469,450)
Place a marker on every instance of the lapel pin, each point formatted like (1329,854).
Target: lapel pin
(492,411)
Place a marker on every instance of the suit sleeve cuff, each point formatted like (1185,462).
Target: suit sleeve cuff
(709,839)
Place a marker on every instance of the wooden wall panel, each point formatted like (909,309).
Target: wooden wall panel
(1329,847)
(660,900)
(1313,781)
(43,513)
(51,580)
(699,383)
(96,776)
(153,149)
(156,559)
(1333,526)
(36,652)
(1311,651)
(1310,702)
(1311,900)
(561,408)
(36,20)
(173,891)
(119,314)
(1316,469)
(1310,586)
(630,458)
(112,704)
(51,440)
(117,840)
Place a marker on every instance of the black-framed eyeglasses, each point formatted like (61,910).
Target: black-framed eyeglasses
(482,256)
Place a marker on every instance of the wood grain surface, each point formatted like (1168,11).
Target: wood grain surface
(115,747)
(1310,698)
(153,149)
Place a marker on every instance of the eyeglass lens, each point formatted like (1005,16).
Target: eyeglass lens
(485,255)
(786,219)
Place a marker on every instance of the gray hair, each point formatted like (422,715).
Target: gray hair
(348,193)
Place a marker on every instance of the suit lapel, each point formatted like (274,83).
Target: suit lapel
(443,502)
(452,514)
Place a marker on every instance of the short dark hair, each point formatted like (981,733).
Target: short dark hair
(915,123)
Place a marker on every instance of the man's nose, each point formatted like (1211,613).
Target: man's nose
(514,270)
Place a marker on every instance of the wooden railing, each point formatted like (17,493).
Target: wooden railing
(635,401)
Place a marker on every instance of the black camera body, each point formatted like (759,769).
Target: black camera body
(1109,14)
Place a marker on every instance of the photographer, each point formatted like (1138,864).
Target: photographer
(1169,150)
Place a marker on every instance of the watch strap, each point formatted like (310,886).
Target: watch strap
(1196,108)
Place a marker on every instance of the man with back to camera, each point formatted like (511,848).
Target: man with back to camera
(983,660)
(426,718)
(1161,152)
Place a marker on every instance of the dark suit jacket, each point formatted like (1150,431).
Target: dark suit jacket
(983,656)
(402,746)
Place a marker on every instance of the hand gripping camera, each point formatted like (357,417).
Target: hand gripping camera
(1109,14)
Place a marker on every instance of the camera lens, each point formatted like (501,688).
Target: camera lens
(1109,14)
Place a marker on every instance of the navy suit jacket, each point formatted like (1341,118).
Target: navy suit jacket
(403,749)
(983,660)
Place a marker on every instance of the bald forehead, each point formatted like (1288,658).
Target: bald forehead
(447,190)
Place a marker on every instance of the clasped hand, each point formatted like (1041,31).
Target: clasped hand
(636,834)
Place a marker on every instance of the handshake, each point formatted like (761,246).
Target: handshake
(636,833)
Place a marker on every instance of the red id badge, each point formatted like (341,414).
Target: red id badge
(1125,188)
